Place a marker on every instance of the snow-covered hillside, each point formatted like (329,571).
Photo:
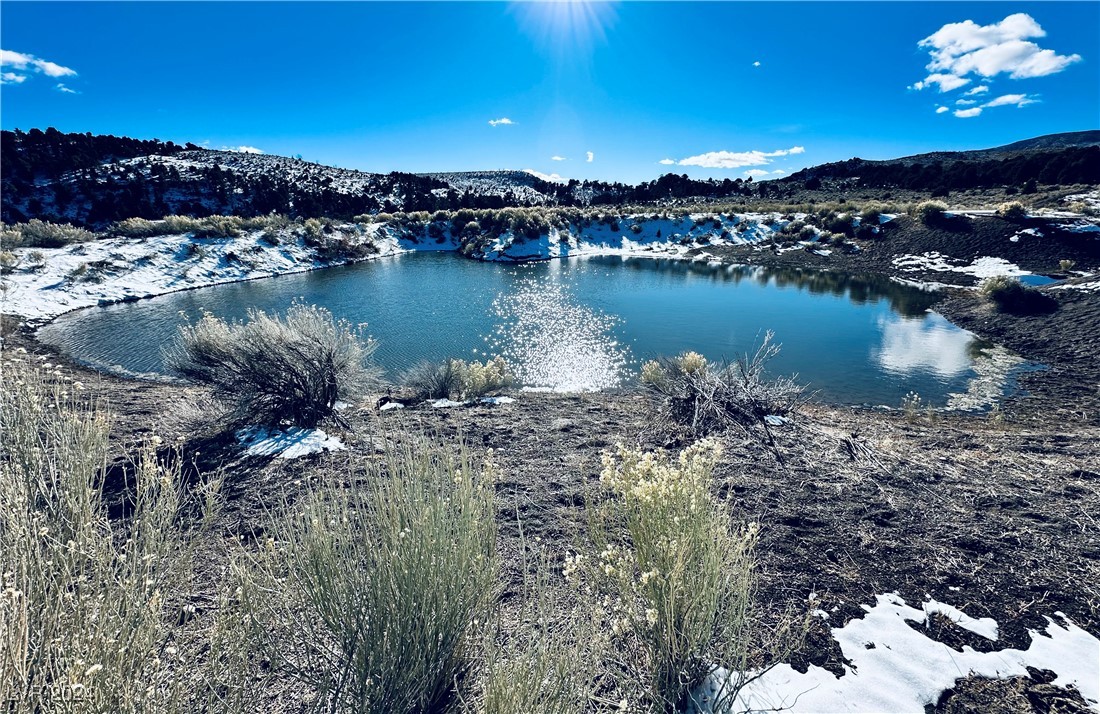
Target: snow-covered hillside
(47,282)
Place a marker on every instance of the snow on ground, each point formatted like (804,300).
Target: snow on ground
(638,235)
(985,267)
(119,269)
(1090,284)
(292,443)
(892,667)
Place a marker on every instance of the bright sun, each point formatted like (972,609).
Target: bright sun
(566,26)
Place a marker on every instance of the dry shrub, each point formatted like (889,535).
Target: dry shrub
(930,212)
(42,234)
(459,379)
(1012,211)
(707,398)
(1012,296)
(272,369)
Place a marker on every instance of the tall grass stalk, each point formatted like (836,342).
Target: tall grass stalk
(546,665)
(85,603)
(374,597)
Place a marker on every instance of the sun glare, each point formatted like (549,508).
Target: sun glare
(566,26)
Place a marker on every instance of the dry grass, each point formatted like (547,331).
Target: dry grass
(87,602)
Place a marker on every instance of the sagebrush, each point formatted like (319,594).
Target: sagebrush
(274,368)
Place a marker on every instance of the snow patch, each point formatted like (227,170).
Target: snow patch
(447,404)
(497,400)
(291,443)
(892,667)
(113,270)
(984,267)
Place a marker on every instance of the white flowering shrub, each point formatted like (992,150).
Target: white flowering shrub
(673,578)
(375,599)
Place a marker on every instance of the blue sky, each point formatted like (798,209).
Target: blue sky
(718,89)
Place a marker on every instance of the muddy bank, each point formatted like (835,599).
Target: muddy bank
(1034,245)
(1065,338)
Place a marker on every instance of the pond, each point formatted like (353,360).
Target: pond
(589,323)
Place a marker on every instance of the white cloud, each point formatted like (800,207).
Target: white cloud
(946,82)
(980,89)
(959,49)
(51,69)
(589,156)
(756,64)
(27,64)
(757,172)
(736,159)
(778,172)
(15,59)
(65,90)
(1005,100)
(503,120)
(243,149)
(941,110)
(667,162)
(557,158)
(1019,100)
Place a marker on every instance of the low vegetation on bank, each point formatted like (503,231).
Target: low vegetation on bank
(832,216)
(373,591)
(270,369)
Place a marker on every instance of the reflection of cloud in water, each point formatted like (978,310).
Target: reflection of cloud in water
(552,342)
(930,343)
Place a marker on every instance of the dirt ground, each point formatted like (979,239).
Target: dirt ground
(995,514)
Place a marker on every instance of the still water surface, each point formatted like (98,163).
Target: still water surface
(589,323)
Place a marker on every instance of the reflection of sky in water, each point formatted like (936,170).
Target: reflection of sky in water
(928,344)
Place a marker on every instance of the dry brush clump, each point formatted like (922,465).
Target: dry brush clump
(459,379)
(707,398)
(42,234)
(275,368)
(929,212)
(1012,296)
(374,598)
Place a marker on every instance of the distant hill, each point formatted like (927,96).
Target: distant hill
(93,180)
(1068,158)
(1052,141)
